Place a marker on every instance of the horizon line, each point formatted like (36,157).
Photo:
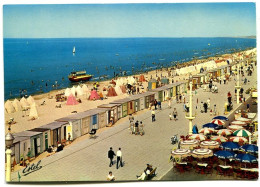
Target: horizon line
(249,37)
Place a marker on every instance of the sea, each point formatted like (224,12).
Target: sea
(34,66)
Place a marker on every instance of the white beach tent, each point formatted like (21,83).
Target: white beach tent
(33,111)
(24,103)
(9,107)
(17,105)
(79,90)
(67,92)
(73,90)
(118,90)
(30,100)
(85,89)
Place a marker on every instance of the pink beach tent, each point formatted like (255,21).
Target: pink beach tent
(93,95)
(72,100)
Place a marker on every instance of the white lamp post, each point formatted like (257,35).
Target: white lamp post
(238,86)
(190,117)
(8,142)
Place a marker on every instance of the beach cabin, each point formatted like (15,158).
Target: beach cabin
(165,81)
(125,106)
(113,111)
(161,93)
(213,74)
(20,148)
(35,140)
(73,128)
(152,84)
(57,132)
(46,133)
(197,81)
(203,78)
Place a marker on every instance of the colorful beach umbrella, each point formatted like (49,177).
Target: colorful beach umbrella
(235,127)
(206,131)
(210,125)
(242,132)
(209,144)
(197,137)
(181,152)
(243,119)
(219,138)
(230,146)
(224,132)
(238,139)
(190,144)
(218,122)
(221,118)
(240,123)
(251,148)
(247,158)
(202,153)
(224,154)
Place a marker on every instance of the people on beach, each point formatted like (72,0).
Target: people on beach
(119,158)
(110,176)
(174,113)
(153,115)
(111,155)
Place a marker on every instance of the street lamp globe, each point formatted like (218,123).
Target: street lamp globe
(9,139)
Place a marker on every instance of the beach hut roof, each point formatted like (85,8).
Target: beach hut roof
(94,95)
(39,129)
(30,100)
(20,138)
(53,125)
(108,105)
(26,133)
(87,113)
(66,119)
(121,101)
(17,105)
(111,92)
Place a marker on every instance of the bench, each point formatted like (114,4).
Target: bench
(151,175)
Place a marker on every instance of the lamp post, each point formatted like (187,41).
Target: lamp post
(238,86)
(190,117)
(8,142)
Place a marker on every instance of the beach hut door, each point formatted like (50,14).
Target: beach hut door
(46,140)
(94,122)
(35,146)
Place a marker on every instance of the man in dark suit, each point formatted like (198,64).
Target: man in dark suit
(111,155)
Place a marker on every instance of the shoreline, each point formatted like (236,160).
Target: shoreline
(178,65)
(49,112)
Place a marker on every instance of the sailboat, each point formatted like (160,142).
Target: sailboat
(74,50)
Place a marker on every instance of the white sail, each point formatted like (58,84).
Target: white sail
(74,49)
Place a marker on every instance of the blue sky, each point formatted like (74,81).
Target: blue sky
(130,20)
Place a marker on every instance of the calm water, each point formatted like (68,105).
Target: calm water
(30,64)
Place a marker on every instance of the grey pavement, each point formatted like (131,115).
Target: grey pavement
(87,160)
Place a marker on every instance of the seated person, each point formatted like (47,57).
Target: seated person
(79,100)
(22,163)
(49,150)
(143,175)
(110,176)
(60,148)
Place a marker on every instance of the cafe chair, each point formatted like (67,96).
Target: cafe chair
(92,133)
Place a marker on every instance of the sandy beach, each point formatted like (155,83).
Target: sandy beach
(48,113)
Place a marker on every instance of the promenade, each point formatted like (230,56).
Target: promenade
(87,160)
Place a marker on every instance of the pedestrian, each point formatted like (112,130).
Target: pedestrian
(159,105)
(29,154)
(155,104)
(224,79)
(205,107)
(219,80)
(110,176)
(170,116)
(208,102)
(169,103)
(119,158)
(174,113)
(111,155)
(183,98)
(136,127)
(131,118)
(153,115)
(180,98)
(177,98)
